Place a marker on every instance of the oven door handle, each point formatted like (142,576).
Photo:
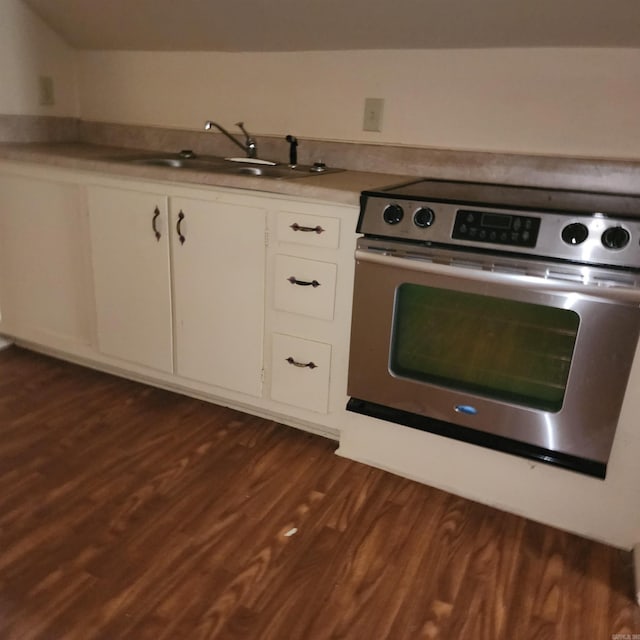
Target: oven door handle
(470,269)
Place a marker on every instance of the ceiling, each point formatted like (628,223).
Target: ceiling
(308,25)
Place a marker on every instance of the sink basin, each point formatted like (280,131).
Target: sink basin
(176,163)
(214,164)
(278,172)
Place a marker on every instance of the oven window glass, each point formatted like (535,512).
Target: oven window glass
(504,349)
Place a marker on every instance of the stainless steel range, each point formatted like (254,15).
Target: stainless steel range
(503,316)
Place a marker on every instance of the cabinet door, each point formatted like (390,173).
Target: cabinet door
(43,262)
(219,272)
(130,254)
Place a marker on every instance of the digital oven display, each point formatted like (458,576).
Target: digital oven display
(496,221)
(496,228)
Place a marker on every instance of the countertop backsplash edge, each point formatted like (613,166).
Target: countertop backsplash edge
(592,174)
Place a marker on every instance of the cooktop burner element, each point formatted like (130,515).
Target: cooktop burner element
(577,226)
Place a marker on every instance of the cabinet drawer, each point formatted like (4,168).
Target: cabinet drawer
(313,231)
(306,287)
(300,372)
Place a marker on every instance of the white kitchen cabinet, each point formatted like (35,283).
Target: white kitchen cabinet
(84,275)
(300,372)
(131,271)
(183,294)
(309,301)
(307,287)
(218,284)
(308,230)
(43,261)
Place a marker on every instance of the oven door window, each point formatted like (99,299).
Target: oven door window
(507,350)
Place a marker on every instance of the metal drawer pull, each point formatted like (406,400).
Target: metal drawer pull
(180,219)
(296,227)
(303,283)
(295,363)
(156,213)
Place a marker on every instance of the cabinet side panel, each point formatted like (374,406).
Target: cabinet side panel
(42,261)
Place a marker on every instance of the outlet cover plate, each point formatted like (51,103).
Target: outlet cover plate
(373,110)
(46,96)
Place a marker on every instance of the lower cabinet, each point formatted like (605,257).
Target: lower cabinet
(311,273)
(300,371)
(307,287)
(44,283)
(240,296)
(218,276)
(131,275)
(179,284)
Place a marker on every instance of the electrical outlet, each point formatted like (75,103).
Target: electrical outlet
(373,109)
(46,96)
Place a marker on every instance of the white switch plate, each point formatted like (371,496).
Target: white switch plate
(46,96)
(373,110)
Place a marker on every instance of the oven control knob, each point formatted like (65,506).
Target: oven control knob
(615,238)
(424,217)
(575,233)
(392,214)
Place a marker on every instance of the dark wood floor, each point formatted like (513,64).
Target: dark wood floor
(128,512)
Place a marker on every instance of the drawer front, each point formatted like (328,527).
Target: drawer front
(309,230)
(307,287)
(300,372)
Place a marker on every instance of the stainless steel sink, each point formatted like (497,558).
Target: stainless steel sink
(176,163)
(279,172)
(215,164)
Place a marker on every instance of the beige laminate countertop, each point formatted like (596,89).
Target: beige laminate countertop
(343,187)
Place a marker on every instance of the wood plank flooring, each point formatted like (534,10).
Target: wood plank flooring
(128,512)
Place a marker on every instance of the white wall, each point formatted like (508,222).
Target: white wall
(29,49)
(582,102)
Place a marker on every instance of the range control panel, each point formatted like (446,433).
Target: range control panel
(496,228)
(598,238)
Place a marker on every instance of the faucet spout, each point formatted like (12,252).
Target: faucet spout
(249,147)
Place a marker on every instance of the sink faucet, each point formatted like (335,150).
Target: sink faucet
(249,147)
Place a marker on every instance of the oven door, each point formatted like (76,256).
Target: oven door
(536,365)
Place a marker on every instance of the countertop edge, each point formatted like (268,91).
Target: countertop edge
(340,188)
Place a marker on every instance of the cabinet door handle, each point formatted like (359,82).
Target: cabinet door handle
(295,363)
(156,213)
(180,219)
(296,227)
(303,283)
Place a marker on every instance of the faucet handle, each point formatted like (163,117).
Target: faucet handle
(250,143)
